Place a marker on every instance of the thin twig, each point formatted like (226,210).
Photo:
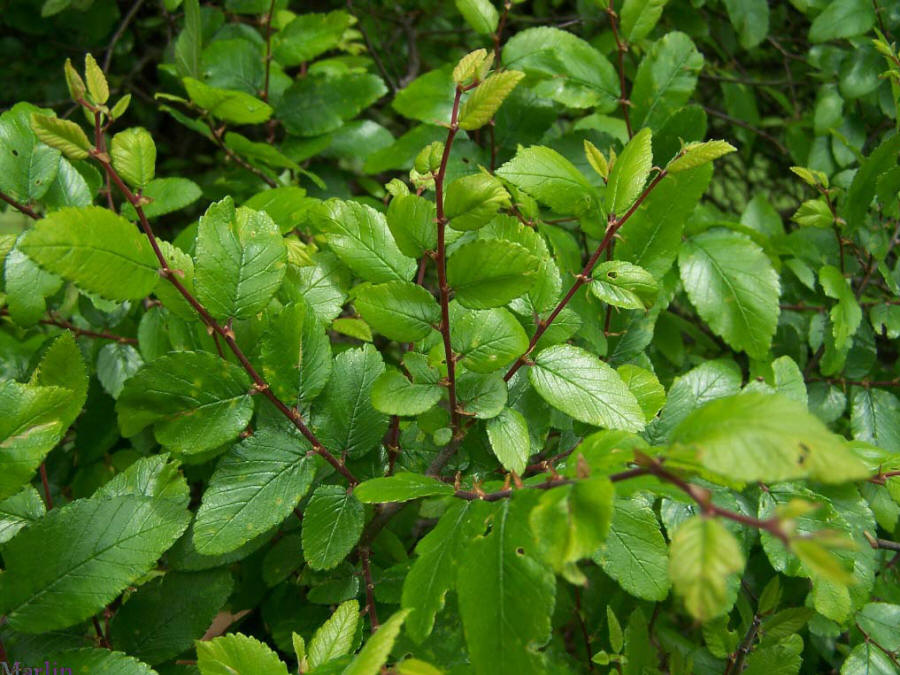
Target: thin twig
(46,484)
(749,127)
(584,277)
(268,64)
(259,383)
(370,586)
(120,31)
(621,48)
(28,211)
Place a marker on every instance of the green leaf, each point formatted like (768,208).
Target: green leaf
(22,509)
(550,178)
(867,659)
(651,237)
(399,310)
(27,287)
(635,554)
(629,173)
(489,273)
(195,400)
(255,486)
(100,661)
(62,365)
(115,364)
(345,419)
(762,437)
(154,476)
(32,421)
(510,443)
(702,557)
(571,522)
(377,649)
(428,98)
(96,80)
(163,618)
(497,618)
(645,386)
(487,98)
(401,487)
(228,105)
(842,19)
(582,386)
(335,637)
(166,195)
(411,219)
(875,417)
(309,35)
(622,284)
(732,284)
(434,570)
(481,396)
(481,15)
(27,166)
(318,104)
(332,522)
(240,260)
(697,154)
(360,237)
(665,80)
(134,156)
(79,557)
(295,354)
(472,201)
(237,654)
(865,182)
(486,340)
(814,213)
(189,41)
(750,19)
(879,620)
(846,315)
(638,17)
(567,68)
(394,394)
(96,250)
(64,135)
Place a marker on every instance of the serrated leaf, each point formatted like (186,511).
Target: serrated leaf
(377,649)
(509,439)
(332,522)
(240,260)
(255,486)
(335,637)
(621,284)
(308,35)
(698,153)
(27,166)
(702,557)
(629,173)
(487,98)
(237,654)
(360,237)
(635,554)
(486,340)
(64,135)
(195,400)
(472,201)
(401,487)
(100,661)
(399,310)
(433,572)
(394,394)
(22,509)
(481,15)
(732,284)
(756,436)
(496,617)
(550,178)
(96,80)
(227,105)
(665,80)
(165,616)
(582,386)
(638,17)
(295,354)
(489,273)
(344,418)
(645,386)
(846,315)
(99,546)
(317,104)
(411,219)
(115,364)
(133,155)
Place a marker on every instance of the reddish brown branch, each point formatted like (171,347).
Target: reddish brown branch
(370,586)
(621,48)
(28,211)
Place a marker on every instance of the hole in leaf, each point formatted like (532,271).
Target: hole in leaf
(520,551)
(611,274)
